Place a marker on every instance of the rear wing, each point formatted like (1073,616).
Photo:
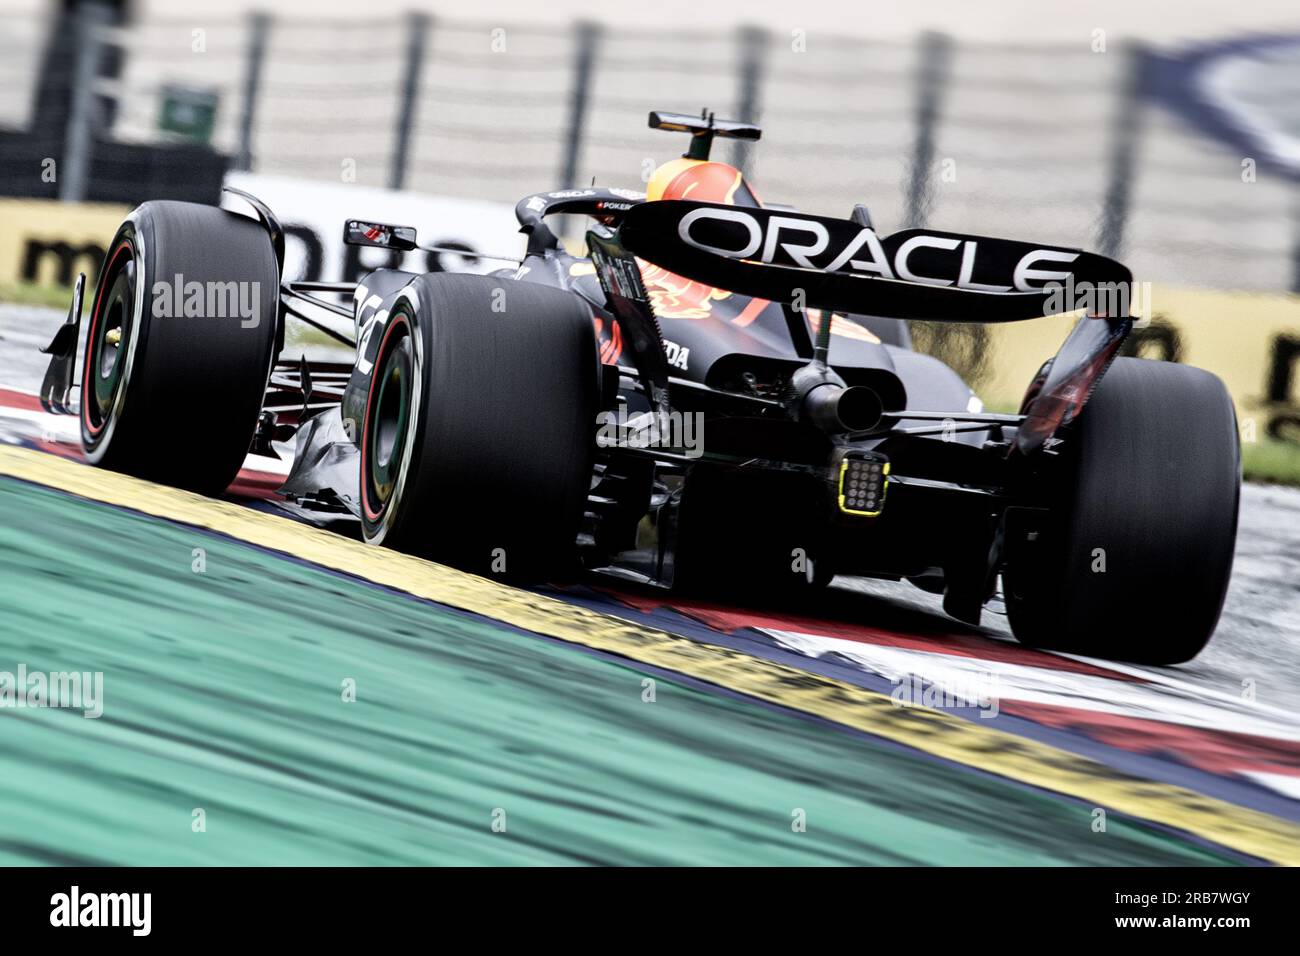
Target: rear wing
(843,266)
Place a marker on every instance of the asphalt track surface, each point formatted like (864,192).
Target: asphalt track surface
(222,693)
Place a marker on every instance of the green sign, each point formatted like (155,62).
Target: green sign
(187,112)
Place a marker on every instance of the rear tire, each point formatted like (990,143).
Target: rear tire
(1149,491)
(480,425)
(174,398)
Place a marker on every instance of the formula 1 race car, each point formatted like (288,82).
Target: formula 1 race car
(721,395)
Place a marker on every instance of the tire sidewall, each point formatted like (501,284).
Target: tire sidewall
(409,308)
(135,231)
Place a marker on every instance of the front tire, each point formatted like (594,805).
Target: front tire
(174,398)
(1135,561)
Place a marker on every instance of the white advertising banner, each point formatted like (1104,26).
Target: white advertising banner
(313,213)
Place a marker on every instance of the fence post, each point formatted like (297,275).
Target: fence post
(752,47)
(417,27)
(588,35)
(934,56)
(83,118)
(1126,126)
(259,25)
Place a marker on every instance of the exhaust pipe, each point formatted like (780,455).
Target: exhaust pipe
(818,394)
(836,409)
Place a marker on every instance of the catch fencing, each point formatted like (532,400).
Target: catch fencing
(1045,142)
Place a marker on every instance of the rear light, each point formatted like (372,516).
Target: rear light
(863,478)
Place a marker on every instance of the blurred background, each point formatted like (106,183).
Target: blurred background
(1166,136)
